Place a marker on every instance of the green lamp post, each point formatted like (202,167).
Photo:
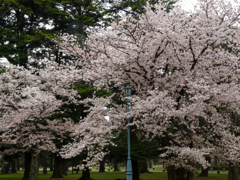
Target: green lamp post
(129,173)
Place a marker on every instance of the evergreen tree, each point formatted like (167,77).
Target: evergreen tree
(28,26)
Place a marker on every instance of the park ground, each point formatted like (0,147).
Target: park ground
(107,176)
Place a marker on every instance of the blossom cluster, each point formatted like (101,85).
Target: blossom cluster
(28,99)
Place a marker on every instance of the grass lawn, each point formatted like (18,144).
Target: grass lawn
(107,176)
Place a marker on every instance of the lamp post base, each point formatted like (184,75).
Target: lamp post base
(129,169)
(129,175)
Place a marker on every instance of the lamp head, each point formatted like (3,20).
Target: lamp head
(128,90)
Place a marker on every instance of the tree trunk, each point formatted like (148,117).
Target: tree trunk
(233,172)
(190,175)
(51,162)
(172,173)
(150,164)
(215,161)
(72,168)
(134,141)
(85,175)
(34,168)
(204,172)
(18,166)
(57,167)
(27,165)
(143,167)
(44,161)
(176,174)
(64,168)
(13,166)
(22,47)
(135,170)
(44,169)
(102,166)
(5,168)
(77,169)
(115,166)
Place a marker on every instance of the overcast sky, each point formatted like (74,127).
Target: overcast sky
(189,4)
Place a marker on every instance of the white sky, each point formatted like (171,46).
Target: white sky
(189,4)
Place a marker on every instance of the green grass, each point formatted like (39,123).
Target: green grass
(156,168)
(107,176)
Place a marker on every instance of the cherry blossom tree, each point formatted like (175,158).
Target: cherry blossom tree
(91,134)
(184,69)
(28,99)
